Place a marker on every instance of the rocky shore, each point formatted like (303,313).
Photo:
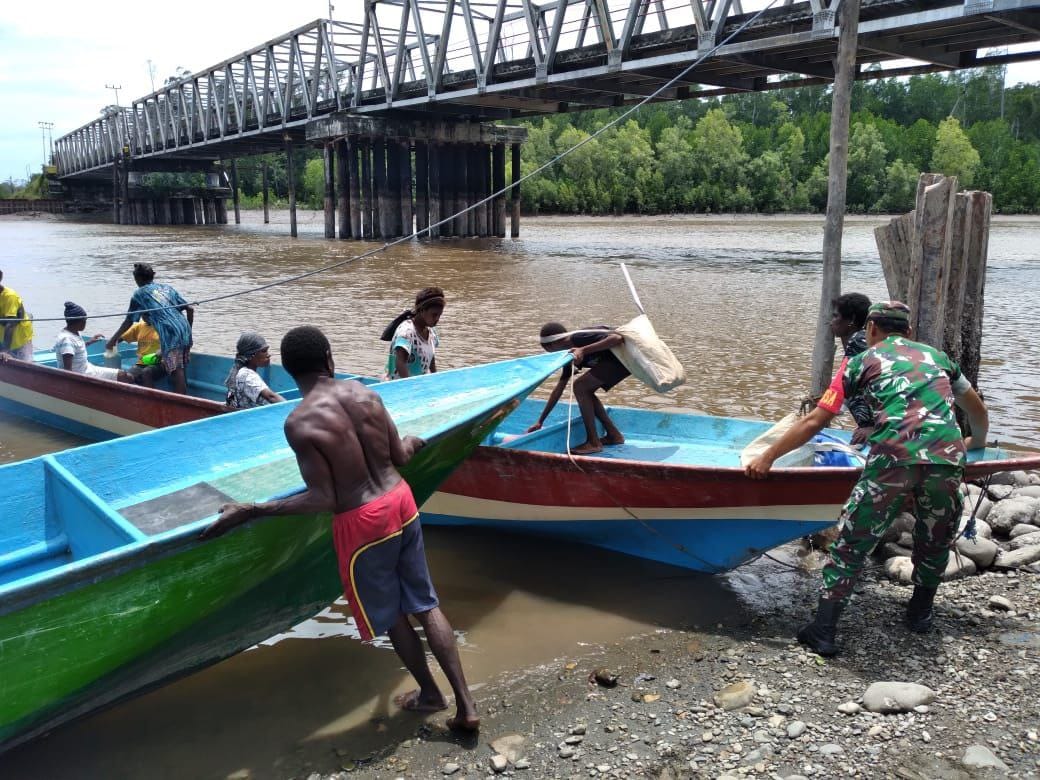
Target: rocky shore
(742,699)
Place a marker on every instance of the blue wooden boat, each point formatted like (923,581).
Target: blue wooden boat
(105,588)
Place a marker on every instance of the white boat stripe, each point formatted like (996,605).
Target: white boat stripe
(81,414)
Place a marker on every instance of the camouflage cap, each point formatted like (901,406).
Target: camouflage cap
(892,310)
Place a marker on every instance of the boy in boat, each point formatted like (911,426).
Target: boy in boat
(916,450)
(148,369)
(591,349)
(164,306)
(71,350)
(245,386)
(348,451)
(848,320)
(16,330)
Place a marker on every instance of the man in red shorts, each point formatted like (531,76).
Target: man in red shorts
(348,450)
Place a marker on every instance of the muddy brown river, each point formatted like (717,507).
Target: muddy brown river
(734,297)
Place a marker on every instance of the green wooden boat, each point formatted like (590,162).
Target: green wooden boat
(105,588)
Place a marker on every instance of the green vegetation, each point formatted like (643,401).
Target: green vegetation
(764,151)
(35,189)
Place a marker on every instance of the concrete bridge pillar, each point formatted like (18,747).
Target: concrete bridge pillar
(328,168)
(353,181)
(405,182)
(342,184)
(422,188)
(220,204)
(200,213)
(393,190)
(434,156)
(498,183)
(514,230)
(482,189)
(368,206)
(291,176)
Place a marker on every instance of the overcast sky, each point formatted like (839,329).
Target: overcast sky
(56,56)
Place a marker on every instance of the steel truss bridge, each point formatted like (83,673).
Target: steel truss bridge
(501,59)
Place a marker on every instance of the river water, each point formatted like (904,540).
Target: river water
(735,298)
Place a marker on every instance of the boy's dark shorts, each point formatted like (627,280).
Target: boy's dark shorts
(609,370)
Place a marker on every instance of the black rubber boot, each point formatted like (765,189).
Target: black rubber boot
(819,635)
(919,615)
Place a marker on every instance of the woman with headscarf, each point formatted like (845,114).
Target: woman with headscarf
(245,387)
(71,349)
(414,343)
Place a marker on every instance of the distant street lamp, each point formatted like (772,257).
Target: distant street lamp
(44,128)
(151,73)
(115,88)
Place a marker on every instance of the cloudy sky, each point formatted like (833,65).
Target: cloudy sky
(56,56)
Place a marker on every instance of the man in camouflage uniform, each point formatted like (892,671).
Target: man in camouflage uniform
(848,323)
(916,451)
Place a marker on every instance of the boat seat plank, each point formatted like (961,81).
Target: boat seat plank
(176,509)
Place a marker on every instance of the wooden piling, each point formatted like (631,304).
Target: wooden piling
(115,193)
(514,228)
(188,211)
(422,189)
(434,155)
(460,190)
(405,178)
(211,211)
(498,183)
(481,158)
(976,254)
(930,261)
(837,180)
(267,215)
(393,190)
(381,226)
(893,243)
(290,171)
(234,191)
(355,187)
(343,185)
(199,209)
(221,206)
(165,212)
(126,216)
(367,201)
(953,302)
(329,164)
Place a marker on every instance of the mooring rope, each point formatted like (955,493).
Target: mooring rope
(418,233)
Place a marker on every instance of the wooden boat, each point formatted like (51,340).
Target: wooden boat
(673,492)
(105,588)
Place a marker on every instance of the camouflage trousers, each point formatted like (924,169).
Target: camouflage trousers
(930,493)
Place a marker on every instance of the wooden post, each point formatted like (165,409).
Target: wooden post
(514,228)
(188,206)
(844,72)
(381,226)
(355,187)
(221,206)
(166,212)
(126,216)
(461,188)
(893,242)
(115,193)
(234,191)
(267,215)
(211,210)
(930,261)
(481,157)
(957,277)
(435,151)
(343,184)
(328,158)
(368,206)
(290,171)
(975,285)
(498,183)
(422,188)
(200,211)
(405,172)
(393,190)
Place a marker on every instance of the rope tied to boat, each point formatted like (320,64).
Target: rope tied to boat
(674,81)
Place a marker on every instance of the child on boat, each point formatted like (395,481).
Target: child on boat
(413,339)
(591,349)
(71,350)
(148,369)
(245,387)
(16,330)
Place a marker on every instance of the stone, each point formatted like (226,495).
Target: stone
(673,685)
(566,752)
(522,764)
(831,749)
(1017,558)
(450,769)
(893,550)
(707,736)
(959,566)
(735,695)
(896,696)
(999,492)
(979,757)
(758,755)
(499,763)
(875,730)
(999,603)
(1029,491)
(761,737)
(1023,529)
(849,708)
(1025,540)
(904,523)
(899,570)
(906,540)
(795,729)
(981,551)
(574,739)
(511,746)
(1013,478)
(1014,511)
(580,730)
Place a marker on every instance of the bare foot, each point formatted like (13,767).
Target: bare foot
(469,724)
(613,441)
(413,701)
(587,449)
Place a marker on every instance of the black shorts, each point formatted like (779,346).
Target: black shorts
(609,370)
(138,372)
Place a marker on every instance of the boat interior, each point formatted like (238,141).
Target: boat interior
(206,373)
(62,508)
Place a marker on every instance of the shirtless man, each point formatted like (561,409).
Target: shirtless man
(348,451)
